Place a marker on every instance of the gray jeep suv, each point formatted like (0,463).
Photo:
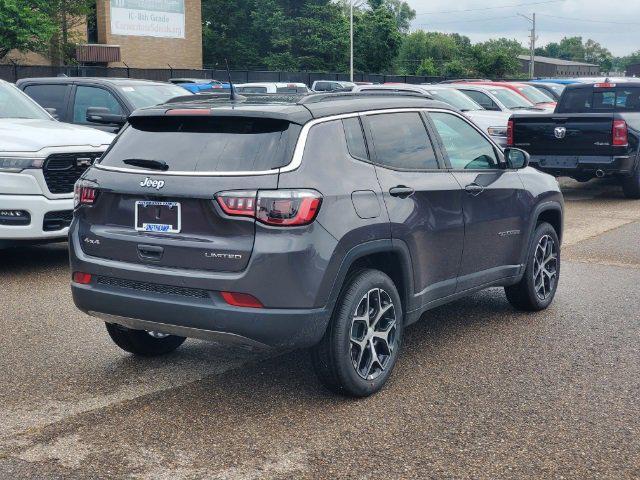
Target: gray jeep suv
(329,221)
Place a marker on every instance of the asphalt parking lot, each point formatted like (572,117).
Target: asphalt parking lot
(481,391)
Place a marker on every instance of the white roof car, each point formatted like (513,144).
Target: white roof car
(40,161)
(494,123)
(272,87)
(331,86)
(499,99)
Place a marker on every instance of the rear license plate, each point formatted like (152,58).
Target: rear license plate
(160,217)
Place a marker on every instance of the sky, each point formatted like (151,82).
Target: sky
(612,23)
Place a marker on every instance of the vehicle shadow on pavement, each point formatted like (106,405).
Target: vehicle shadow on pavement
(33,258)
(606,189)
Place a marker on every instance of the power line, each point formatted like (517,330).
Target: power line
(484,19)
(490,8)
(586,20)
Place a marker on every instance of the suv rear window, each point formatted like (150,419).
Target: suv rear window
(212,144)
(585,100)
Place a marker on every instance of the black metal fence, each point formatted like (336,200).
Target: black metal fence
(14,72)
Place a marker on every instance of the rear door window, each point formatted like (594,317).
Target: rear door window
(50,96)
(206,144)
(355,138)
(483,99)
(401,141)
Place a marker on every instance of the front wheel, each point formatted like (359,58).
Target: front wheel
(538,286)
(362,343)
(143,343)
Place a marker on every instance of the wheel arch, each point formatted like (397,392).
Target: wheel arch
(551,212)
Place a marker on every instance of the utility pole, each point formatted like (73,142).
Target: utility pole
(533,38)
(351,36)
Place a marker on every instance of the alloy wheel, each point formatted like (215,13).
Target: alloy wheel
(373,334)
(545,267)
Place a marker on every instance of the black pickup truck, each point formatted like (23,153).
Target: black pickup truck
(594,132)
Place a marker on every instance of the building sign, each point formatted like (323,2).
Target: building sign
(148,18)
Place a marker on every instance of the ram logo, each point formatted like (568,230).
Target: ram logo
(560,132)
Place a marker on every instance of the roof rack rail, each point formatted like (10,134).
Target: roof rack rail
(327,97)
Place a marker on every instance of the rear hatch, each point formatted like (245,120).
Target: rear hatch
(166,214)
(578,134)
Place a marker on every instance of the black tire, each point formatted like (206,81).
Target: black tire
(140,342)
(333,358)
(525,294)
(631,185)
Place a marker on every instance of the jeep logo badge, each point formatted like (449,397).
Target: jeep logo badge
(157,184)
(560,132)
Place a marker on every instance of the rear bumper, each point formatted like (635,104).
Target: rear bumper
(572,165)
(208,319)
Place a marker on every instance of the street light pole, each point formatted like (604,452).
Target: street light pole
(351,36)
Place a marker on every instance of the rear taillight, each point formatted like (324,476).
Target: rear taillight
(620,133)
(284,208)
(510,140)
(84,193)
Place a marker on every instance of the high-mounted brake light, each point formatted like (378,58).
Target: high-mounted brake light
(510,139)
(283,208)
(620,134)
(84,194)
(604,85)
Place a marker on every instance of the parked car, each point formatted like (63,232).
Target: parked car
(553,90)
(498,98)
(332,86)
(286,225)
(40,160)
(272,87)
(595,132)
(200,85)
(493,123)
(535,96)
(102,103)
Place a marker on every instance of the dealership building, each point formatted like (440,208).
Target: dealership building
(138,34)
(557,67)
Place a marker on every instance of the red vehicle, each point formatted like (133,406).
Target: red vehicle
(535,96)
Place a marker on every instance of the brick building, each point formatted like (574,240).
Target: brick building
(556,67)
(138,33)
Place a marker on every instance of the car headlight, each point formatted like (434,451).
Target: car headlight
(17,164)
(497,131)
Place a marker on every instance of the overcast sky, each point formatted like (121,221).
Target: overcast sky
(611,22)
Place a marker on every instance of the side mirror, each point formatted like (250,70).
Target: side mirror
(104,116)
(53,112)
(516,158)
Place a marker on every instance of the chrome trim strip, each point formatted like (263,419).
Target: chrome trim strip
(184,174)
(180,331)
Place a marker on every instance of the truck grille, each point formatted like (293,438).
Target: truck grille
(153,287)
(62,170)
(54,221)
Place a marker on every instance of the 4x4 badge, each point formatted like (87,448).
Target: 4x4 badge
(157,184)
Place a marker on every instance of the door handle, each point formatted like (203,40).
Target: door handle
(474,189)
(401,191)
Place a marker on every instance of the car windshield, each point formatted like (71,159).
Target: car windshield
(534,95)
(15,104)
(455,99)
(142,96)
(511,99)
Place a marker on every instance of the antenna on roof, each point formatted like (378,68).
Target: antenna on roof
(232,93)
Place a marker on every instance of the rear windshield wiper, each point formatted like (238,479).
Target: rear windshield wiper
(149,164)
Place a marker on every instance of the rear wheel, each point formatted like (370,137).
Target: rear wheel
(362,343)
(143,343)
(538,286)
(631,185)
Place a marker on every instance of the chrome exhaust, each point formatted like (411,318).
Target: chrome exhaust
(599,173)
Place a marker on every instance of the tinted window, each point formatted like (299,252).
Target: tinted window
(466,147)
(355,138)
(401,141)
(87,97)
(49,96)
(483,99)
(15,104)
(323,86)
(291,90)
(583,100)
(148,95)
(252,89)
(206,144)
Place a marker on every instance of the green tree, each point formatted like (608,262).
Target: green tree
(67,16)
(23,26)
(498,58)
(439,47)
(427,68)
(403,12)
(377,38)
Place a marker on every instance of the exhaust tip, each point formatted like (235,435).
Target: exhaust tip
(599,173)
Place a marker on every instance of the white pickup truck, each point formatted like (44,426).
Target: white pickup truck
(40,161)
